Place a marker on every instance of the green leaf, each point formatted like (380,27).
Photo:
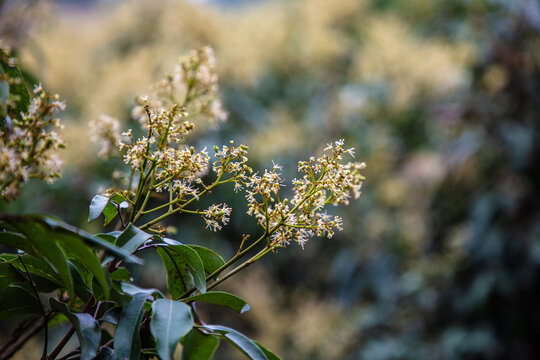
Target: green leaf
(127,340)
(18,223)
(9,275)
(131,238)
(133,289)
(171,320)
(72,245)
(36,266)
(195,264)
(238,340)
(211,260)
(222,298)
(198,346)
(45,246)
(57,225)
(121,274)
(97,206)
(270,355)
(179,278)
(16,241)
(16,300)
(86,327)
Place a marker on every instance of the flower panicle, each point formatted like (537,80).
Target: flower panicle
(30,144)
(326,180)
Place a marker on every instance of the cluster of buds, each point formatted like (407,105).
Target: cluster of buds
(326,181)
(30,144)
(105,131)
(194,85)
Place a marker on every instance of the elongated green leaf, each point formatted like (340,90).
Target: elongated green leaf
(16,300)
(211,260)
(171,320)
(222,298)
(86,327)
(16,241)
(9,275)
(131,238)
(97,206)
(198,346)
(37,267)
(72,245)
(270,355)
(132,289)
(239,341)
(45,245)
(196,266)
(57,225)
(18,223)
(179,277)
(127,340)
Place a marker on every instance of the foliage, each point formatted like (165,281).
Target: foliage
(87,278)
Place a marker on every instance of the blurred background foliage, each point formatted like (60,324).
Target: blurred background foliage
(440,258)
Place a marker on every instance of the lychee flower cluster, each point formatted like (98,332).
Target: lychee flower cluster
(105,131)
(215,215)
(194,84)
(30,144)
(326,181)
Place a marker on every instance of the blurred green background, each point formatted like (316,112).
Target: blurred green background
(440,257)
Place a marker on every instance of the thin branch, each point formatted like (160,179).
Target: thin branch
(17,345)
(34,287)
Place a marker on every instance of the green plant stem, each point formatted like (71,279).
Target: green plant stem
(242,266)
(169,213)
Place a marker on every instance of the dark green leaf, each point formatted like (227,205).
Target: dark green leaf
(82,290)
(196,266)
(72,245)
(171,320)
(16,300)
(18,223)
(106,353)
(121,274)
(222,298)
(60,226)
(270,355)
(44,242)
(131,238)
(238,340)
(211,260)
(127,340)
(179,278)
(132,289)
(16,241)
(86,327)
(37,267)
(112,315)
(198,346)
(9,275)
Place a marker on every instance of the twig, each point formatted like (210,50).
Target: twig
(18,331)
(17,345)
(34,287)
